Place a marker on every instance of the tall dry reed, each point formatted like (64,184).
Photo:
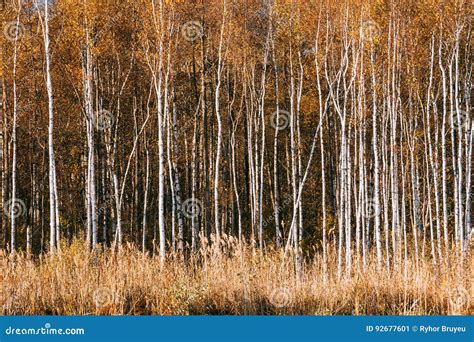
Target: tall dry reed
(231,279)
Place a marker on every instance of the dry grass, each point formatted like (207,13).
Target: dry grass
(237,281)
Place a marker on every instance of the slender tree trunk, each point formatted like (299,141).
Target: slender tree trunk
(276,187)
(53,195)
(13,200)
(220,66)
(376,165)
(90,122)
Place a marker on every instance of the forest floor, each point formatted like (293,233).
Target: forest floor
(229,280)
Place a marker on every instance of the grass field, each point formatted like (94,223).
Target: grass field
(227,280)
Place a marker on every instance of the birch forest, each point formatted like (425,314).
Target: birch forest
(261,157)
